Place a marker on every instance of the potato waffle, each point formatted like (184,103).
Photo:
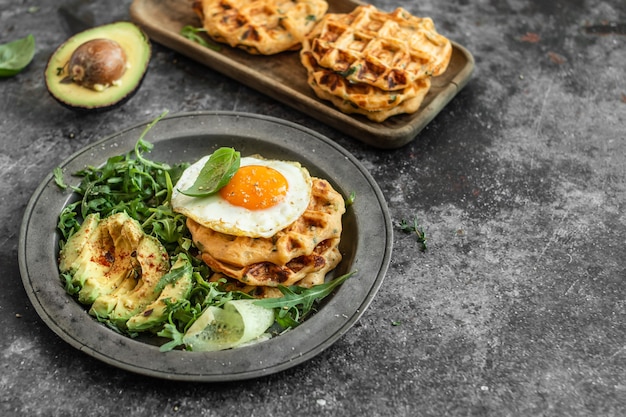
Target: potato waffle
(264,27)
(363,95)
(308,268)
(308,246)
(374,63)
(303,278)
(410,105)
(361,98)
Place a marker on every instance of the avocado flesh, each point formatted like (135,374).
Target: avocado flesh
(120,236)
(116,265)
(75,244)
(100,254)
(154,263)
(155,313)
(137,48)
(85,254)
(105,303)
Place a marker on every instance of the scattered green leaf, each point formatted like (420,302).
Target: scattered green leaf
(16,55)
(414,227)
(192,33)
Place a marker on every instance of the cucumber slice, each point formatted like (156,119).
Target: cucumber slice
(238,322)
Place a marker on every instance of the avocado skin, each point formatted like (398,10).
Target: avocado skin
(83,100)
(156,312)
(102,108)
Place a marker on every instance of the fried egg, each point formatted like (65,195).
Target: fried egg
(263,197)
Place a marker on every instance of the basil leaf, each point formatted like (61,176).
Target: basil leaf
(16,55)
(218,170)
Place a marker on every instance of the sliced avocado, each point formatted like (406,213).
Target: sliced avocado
(79,256)
(75,244)
(121,235)
(105,303)
(154,262)
(99,68)
(100,255)
(155,313)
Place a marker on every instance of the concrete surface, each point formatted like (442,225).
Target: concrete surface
(518,306)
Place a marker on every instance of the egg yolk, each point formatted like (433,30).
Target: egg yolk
(255,187)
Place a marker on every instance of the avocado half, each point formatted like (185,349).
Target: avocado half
(137,50)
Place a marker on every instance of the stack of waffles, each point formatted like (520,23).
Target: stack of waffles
(374,63)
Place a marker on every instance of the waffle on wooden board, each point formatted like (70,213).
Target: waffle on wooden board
(283,76)
(374,63)
(264,27)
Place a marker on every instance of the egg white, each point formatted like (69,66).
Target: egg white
(218,214)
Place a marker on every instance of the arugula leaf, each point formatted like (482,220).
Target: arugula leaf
(70,287)
(58,178)
(142,145)
(297,302)
(16,55)
(191,33)
(216,172)
(170,331)
(172,276)
(131,183)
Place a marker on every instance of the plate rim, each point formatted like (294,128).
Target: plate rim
(258,371)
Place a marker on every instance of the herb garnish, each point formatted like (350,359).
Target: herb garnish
(58,177)
(191,33)
(414,227)
(215,174)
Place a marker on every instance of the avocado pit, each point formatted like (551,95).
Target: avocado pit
(100,68)
(97,64)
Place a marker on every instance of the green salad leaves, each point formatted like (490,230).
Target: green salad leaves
(16,55)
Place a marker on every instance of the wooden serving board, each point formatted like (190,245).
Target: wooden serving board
(283,77)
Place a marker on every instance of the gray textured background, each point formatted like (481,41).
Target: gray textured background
(518,307)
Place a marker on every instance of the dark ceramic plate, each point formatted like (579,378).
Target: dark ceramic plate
(366,247)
